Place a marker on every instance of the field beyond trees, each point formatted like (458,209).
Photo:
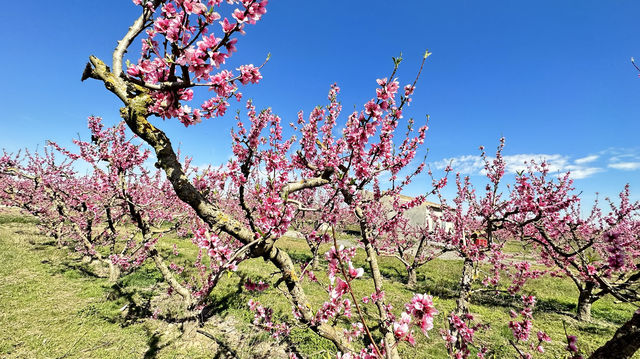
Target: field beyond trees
(53,306)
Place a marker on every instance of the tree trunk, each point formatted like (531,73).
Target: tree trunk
(585,299)
(114,272)
(584,308)
(283,262)
(315,262)
(57,235)
(412,277)
(387,331)
(625,342)
(168,276)
(462,302)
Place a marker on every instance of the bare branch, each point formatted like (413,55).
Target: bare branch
(135,30)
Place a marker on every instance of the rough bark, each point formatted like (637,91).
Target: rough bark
(462,302)
(315,262)
(389,338)
(114,272)
(412,277)
(168,276)
(585,299)
(625,342)
(391,348)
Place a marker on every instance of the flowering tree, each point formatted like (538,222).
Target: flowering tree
(70,207)
(36,183)
(415,244)
(179,54)
(317,210)
(479,226)
(145,201)
(600,253)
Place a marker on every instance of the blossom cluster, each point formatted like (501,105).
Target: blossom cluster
(192,55)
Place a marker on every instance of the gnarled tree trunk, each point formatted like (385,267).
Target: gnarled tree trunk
(625,342)
(585,299)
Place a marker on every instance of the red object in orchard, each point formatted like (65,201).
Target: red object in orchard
(481,242)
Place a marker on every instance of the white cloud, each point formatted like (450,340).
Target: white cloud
(516,163)
(625,166)
(620,155)
(578,172)
(474,165)
(625,159)
(588,159)
(464,164)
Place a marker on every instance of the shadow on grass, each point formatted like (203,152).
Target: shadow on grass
(555,306)
(137,289)
(153,343)
(223,303)
(233,299)
(154,348)
(299,257)
(391,273)
(27,232)
(595,329)
(225,350)
(75,269)
(21,219)
(442,287)
(43,245)
(448,289)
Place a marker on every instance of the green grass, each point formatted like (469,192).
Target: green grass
(51,306)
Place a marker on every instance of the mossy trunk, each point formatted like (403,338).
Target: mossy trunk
(625,342)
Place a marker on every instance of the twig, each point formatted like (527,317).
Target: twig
(355,301)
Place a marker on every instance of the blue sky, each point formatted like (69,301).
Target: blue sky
(553,77)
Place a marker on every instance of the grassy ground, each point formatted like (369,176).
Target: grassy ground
(52,306)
